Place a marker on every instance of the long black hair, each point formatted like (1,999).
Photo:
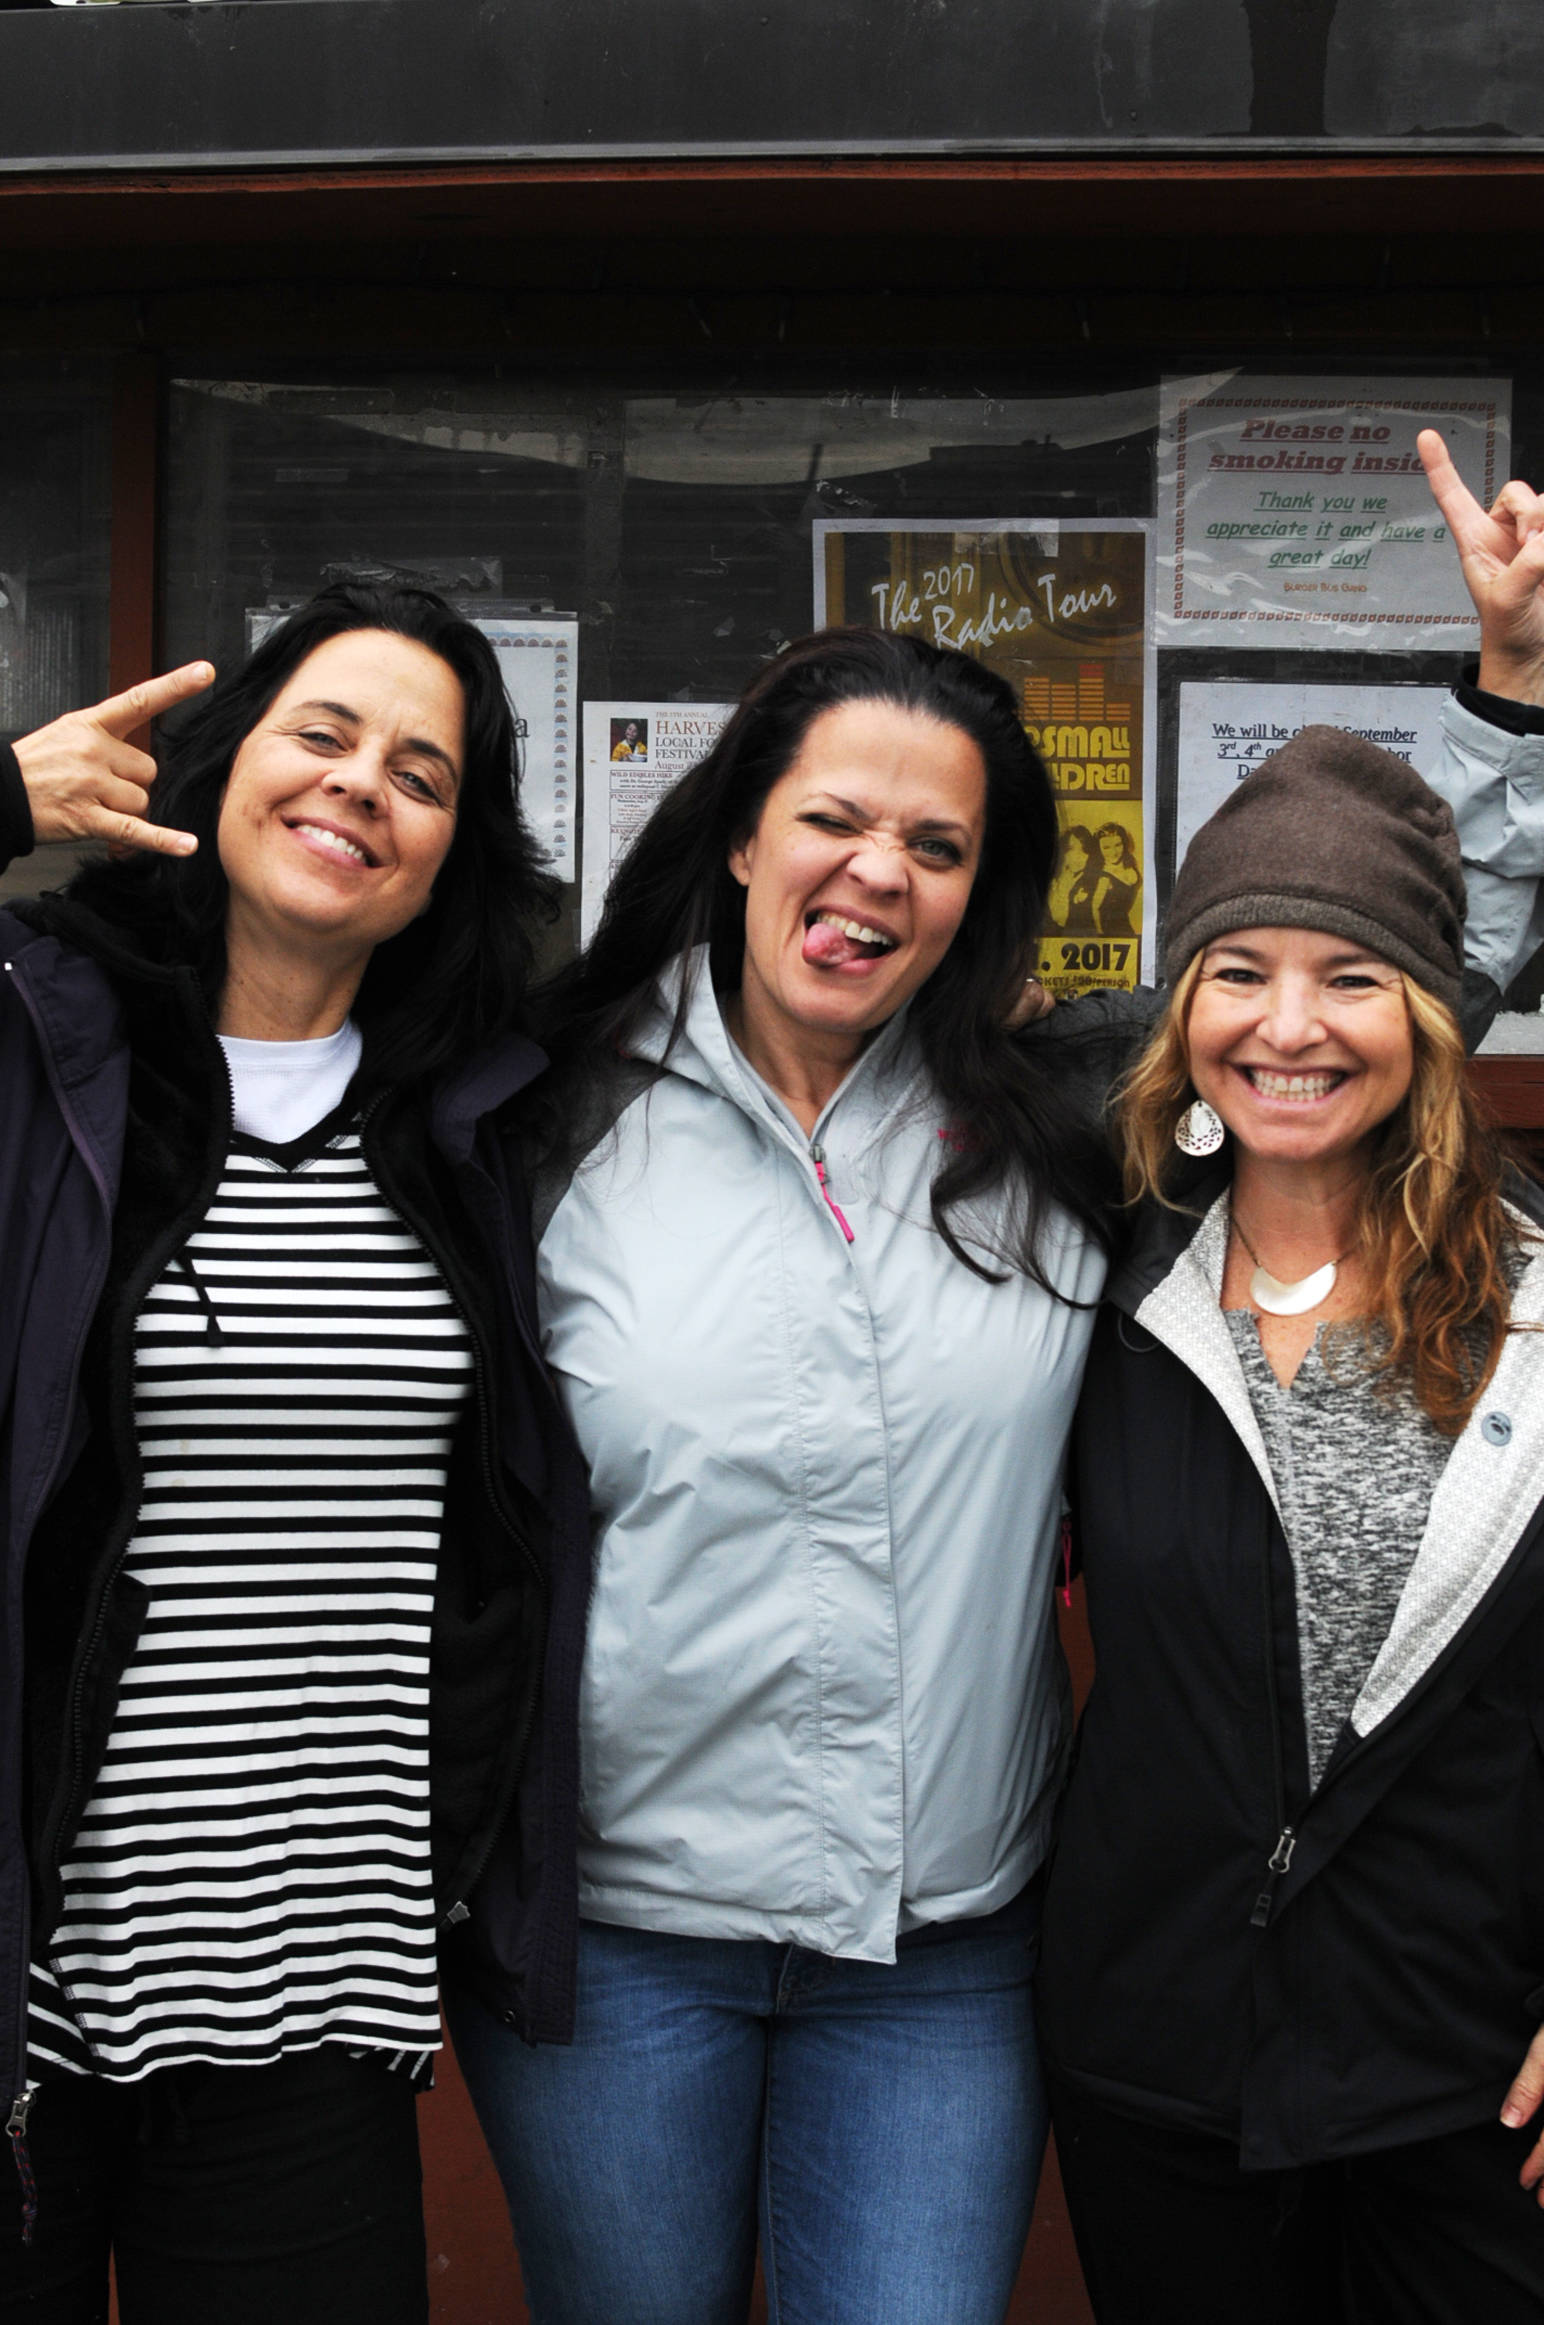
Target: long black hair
(457,975)
(1010,1125)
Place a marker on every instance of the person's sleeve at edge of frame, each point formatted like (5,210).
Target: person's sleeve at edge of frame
(16,834)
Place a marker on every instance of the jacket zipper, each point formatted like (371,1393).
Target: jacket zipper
(1277,1863)
(121,1422)
(458,1910)
(72,1125)
(818,1158)
(1280,1857)
(21,2104)
(16,2133)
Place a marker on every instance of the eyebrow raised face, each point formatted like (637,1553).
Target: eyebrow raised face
(418,743)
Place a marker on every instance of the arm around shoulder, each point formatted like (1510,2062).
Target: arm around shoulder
(1099,1037)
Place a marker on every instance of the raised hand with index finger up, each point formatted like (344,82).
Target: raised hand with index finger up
(1501,551)
(86,781)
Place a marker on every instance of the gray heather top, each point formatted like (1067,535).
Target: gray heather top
(1355,1469)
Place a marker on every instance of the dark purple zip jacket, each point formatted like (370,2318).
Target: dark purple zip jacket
(114,1126)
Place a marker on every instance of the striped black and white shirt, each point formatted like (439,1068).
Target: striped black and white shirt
(251,1874)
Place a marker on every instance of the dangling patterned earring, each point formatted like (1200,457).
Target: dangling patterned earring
(1199,1129)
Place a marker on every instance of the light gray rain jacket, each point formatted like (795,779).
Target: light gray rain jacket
(823,1701)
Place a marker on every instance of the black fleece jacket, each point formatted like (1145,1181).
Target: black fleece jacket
(1312,1976)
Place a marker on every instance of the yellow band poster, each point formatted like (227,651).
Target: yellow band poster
(1061,611)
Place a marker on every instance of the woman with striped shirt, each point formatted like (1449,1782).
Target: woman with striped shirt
(289,1498)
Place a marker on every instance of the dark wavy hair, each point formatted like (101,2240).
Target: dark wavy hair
(1128,854)
(453,978)
(1011,1126)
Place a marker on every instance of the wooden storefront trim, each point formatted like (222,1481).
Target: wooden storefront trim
(832,195)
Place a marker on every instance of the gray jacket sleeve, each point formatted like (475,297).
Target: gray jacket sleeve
(1494,782)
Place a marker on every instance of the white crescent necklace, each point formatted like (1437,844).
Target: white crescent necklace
(1275,1298)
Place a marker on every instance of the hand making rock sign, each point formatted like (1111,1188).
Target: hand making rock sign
(86,781)
(1502,554)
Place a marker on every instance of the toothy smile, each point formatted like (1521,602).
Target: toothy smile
(832,941)
(858,931)
(1291,1087)
(338,843)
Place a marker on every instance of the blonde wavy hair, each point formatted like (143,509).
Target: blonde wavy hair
(1436,1238)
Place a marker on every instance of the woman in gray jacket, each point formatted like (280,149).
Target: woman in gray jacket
(814,1228)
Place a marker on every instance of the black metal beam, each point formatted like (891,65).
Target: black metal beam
(201,83)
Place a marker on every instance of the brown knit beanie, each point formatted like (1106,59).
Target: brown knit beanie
(1329,833)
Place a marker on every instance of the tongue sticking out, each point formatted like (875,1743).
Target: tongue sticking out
(828,948)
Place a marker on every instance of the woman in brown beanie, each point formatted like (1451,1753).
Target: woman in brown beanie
(1293,1963)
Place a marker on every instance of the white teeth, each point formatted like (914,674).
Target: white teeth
(334,840)
(1291,1085)
(856,929)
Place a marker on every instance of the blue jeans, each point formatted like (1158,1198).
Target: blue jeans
(882,2125)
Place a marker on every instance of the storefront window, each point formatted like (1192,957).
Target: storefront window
(651,549)
(1173,573)
(55,433)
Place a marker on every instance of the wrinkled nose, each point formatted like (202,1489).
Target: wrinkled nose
(879,862)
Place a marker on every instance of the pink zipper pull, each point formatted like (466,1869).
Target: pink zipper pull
(818,1158)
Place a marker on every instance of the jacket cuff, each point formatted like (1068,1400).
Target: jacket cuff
(1499,710)
(16,833)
